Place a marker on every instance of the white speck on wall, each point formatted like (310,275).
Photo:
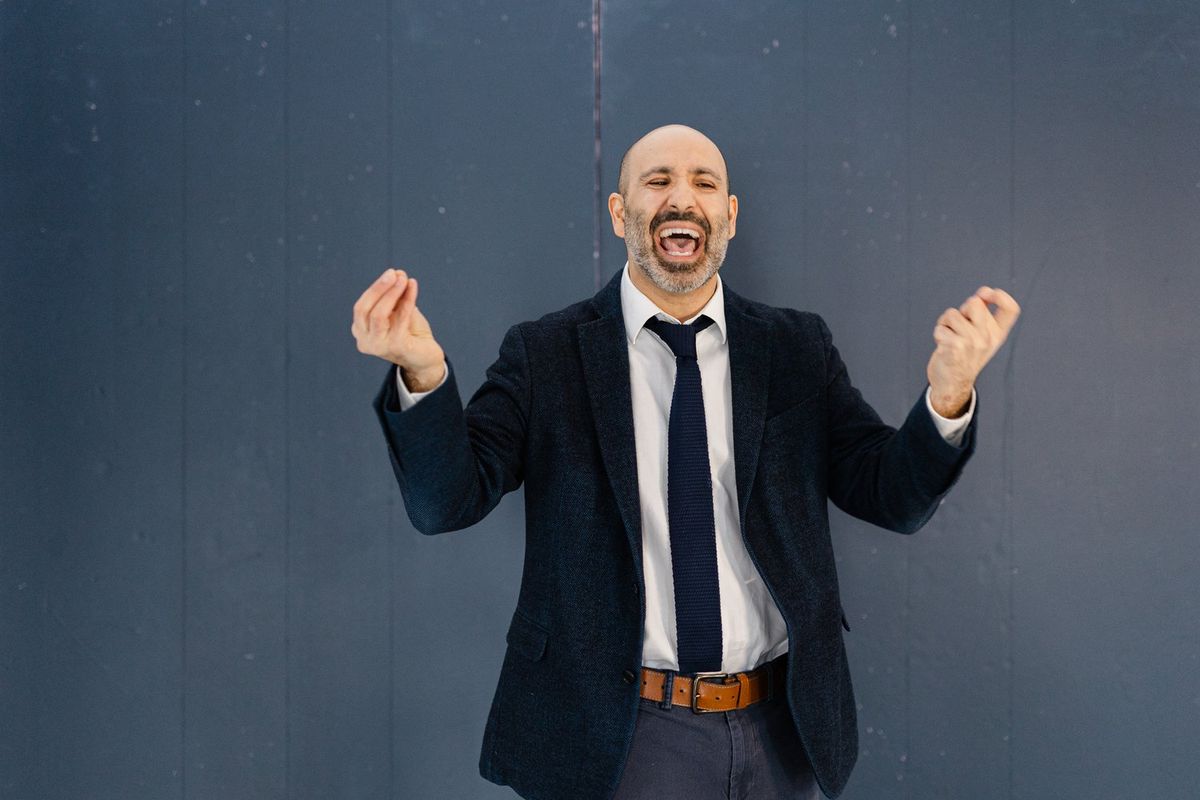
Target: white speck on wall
(249,36)
(870,210)
(263,43)
(581,24)
(369,168)
(766,51)
(892,30)
(350,115)
(441,209)
(197,101)
(95,135)
(89,105)
(775,43)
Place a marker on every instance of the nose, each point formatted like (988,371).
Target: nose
(682,198)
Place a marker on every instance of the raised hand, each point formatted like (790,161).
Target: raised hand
(967,337)
(388,324)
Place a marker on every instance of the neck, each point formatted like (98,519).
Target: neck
(682,306)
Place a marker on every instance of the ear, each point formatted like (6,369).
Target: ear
(616,210)
(733,209)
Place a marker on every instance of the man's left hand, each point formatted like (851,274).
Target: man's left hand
(967,337)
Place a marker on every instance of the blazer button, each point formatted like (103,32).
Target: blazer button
(628,676)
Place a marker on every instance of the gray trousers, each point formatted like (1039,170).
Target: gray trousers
(752,754)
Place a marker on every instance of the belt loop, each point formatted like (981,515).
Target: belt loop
(668,690)
(771,681)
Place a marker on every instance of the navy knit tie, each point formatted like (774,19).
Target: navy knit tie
(690,507)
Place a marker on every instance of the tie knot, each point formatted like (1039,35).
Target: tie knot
(680,338)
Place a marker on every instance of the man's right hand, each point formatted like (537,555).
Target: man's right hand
(388,324)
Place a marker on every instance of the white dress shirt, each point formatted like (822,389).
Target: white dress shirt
(753,630)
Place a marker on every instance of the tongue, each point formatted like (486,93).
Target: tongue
(679,244)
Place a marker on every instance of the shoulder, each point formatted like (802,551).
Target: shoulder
(787,323)
(555,323)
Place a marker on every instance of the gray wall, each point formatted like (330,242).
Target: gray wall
(208,584)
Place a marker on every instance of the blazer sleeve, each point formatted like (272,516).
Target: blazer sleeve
(894,478)
(453,464)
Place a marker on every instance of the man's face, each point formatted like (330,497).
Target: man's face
(676,214)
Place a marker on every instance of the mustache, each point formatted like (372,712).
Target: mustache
(679,216)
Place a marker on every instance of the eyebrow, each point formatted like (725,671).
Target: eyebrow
(668,170)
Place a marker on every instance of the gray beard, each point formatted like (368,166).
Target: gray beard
(675,278)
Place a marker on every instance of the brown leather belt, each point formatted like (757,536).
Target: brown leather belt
(716,691)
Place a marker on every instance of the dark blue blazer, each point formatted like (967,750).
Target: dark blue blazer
(555,412)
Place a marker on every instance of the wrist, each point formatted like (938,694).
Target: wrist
(424,380)
(952,403)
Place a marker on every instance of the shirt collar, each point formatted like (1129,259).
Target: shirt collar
(637,308)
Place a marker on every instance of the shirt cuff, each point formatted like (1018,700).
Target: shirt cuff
(952,430)
(409,399)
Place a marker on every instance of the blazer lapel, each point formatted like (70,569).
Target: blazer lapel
(605,356)
(749,370)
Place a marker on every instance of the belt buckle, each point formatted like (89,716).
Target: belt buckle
(697,677)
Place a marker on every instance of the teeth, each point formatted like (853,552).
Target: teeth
(673,231)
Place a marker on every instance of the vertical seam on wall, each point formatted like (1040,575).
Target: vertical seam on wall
(183,461)
(806,105)
(1008,382)
(597,164)
(287,409)
(908,81)
(391,545)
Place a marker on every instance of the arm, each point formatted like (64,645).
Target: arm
(896,478)
(452,464)
(889,477)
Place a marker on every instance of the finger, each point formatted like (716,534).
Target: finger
(1007,309)
(971,307)
(407,304)
(367,300)
(953,319)
(976,310)
(943,335)
(380,315)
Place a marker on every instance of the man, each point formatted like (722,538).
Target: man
(678,445)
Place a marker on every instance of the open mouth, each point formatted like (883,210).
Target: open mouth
(677,241)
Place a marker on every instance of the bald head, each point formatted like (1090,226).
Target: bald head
(648,152)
